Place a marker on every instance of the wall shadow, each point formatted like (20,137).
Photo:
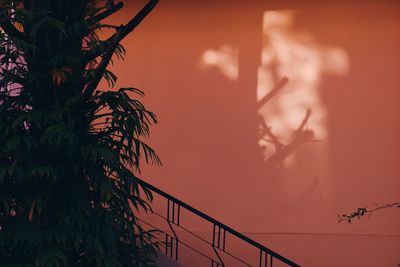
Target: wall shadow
(208,137)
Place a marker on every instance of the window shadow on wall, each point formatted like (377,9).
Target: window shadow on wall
(205,67)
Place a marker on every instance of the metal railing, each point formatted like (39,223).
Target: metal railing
(267,257)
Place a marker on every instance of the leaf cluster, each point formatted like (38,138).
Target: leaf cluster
(68,160)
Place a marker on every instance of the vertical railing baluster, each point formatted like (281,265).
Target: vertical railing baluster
(168,210)
(216,243)
(179,214)
(173,212)
(177,222)
(166,244)
(213,242)
(266,259)
(219,235)
(173,217)
(171,248)
(166,235)
(223,242)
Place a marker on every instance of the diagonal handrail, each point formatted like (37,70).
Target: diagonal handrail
(217,224)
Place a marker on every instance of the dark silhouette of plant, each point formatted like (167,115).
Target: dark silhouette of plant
(361,212)
(68,196)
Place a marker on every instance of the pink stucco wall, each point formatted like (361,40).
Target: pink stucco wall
(203,66)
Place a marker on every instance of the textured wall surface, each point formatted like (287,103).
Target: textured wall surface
(205,65)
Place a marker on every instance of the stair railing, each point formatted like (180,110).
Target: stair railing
(267,257)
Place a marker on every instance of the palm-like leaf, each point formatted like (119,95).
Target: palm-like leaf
(68,190)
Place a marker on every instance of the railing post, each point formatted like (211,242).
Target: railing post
(216,242)
(173,217)
(219,237)
(172,214)
(264,259)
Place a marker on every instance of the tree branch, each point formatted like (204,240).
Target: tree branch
(114,40)
(299,137)
(108,12)
(272,93)
(303,123)
(266,130)
(8,27)
(273,162)
(360,212)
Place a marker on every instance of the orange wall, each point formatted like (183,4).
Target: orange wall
(207,135)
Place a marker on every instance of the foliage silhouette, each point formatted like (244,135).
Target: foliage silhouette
(68,196)
(361,212)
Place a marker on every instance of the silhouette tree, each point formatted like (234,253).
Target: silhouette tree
(68,196)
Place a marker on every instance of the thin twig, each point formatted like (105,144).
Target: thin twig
(303,123)
(266,130)
(360,212)
(108,12)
